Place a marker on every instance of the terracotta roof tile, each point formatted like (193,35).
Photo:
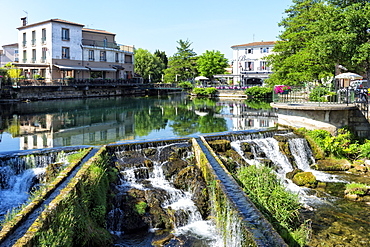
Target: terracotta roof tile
(51,20)
(262,43)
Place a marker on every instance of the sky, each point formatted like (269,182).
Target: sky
(157,24)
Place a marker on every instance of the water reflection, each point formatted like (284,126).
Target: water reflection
(46,124)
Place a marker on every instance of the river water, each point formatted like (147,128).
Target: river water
(98,121)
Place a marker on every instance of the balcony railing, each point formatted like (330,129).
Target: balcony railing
(24,60)
(97,43)
(33,42)
(24,43)
(43,59)
(33,60)
(43,40)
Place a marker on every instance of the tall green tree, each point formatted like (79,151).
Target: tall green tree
(162,55)
(182,65)
(318,36)
(211,63)
(149,66)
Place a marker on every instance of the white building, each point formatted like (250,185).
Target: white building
(56,49)
(249,63)
(9,54)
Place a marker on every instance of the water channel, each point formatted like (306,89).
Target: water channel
(97,121)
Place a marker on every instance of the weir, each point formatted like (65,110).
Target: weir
(178,185)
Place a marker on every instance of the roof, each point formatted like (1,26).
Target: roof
(52,20)
(262,43)
(15,44)
(96,31)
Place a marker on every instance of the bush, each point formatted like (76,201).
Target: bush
(185,85)
(259,92)
(318,93)
(199,91)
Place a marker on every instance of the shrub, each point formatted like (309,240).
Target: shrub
(185,85)
(317,94)
(199,91)
(258,92)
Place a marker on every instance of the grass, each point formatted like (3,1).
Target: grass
(279,206)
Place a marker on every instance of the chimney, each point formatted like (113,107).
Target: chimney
(24,21)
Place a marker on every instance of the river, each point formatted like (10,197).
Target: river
(98,121)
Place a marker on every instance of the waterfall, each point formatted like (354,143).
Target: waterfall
(303,157)
(187,220)
(17,189)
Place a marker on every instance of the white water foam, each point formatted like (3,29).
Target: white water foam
(18,189)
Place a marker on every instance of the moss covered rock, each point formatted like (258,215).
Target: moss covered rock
(220,145)
(306,179)
(332,165)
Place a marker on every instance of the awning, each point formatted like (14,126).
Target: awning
(101,69)
(118,67)
(66,67)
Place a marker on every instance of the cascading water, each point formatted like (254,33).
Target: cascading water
(186,219)
(268,147)
(20,175)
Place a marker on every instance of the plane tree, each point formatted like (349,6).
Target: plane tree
(211,63)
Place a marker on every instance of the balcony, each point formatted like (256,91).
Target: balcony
(33,60)
(43,40)
(43,59)
(33,42)
(126,48)
(102,44)
(24,60)
(24,43)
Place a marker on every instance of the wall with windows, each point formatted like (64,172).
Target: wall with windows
(66,41)
(249,59)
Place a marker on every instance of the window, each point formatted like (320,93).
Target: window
(24,40)
(65,34)
(91,55)
(65,52)
(43,38)
(24,56)
(249,66)
(33,55)
(117,57)
(264,50)
(43,56)
(263,65)
(33,41)
(249,51)
(15,51)
(105,42)
(103,56)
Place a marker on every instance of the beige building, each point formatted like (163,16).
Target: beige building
(56,49)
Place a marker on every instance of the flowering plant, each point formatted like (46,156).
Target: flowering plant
(281,88)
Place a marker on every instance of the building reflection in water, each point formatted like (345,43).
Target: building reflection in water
(101,121)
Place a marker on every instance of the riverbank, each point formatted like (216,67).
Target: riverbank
(35,93)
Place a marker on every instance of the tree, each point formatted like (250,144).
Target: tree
(147,65)
(211,63)
(182,65)
(318,36)
(162,55)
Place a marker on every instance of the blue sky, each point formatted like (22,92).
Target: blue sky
(159,24)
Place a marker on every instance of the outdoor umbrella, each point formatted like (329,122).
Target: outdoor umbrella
(198,78)
(349,75)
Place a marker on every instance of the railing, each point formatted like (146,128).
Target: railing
(97,43)
(69,82)
(320,95)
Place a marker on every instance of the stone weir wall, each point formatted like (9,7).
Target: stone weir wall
(78,213)
(64,92)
